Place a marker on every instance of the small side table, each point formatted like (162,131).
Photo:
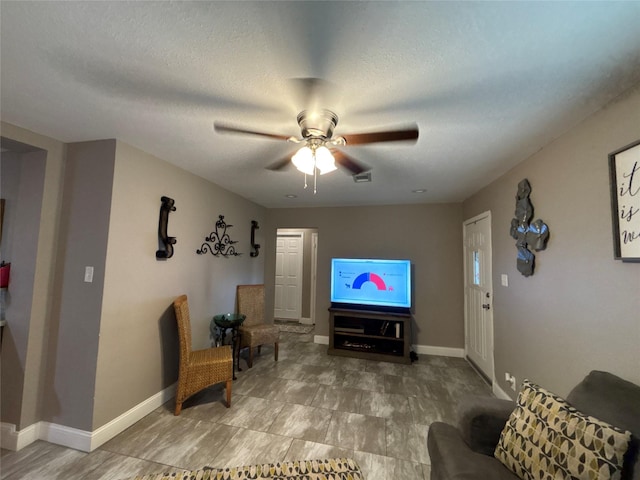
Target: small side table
(219,326)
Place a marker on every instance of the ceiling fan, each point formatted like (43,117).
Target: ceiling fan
(319,153)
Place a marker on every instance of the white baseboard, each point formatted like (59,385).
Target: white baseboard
(81,439)
(14,440)
(498,392)
(441,351)
(306,321)
(65,436)
(128,418)
(321,339)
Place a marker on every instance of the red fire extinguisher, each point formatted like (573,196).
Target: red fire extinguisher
(5,271)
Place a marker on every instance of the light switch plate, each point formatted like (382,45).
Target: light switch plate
(88,274)
(505,280)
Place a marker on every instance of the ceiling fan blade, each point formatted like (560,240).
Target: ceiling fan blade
(348,162)
(279,164)
(385,136)
(222,128)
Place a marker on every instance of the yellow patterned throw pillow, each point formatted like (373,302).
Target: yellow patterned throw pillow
(546,438)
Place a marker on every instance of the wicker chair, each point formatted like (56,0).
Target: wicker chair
(199,369)
(254,332)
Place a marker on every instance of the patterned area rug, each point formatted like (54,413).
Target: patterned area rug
(294,327)
(327,469)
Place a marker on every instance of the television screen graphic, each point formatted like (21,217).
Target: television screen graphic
(371,282)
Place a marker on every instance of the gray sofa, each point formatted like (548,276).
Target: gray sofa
(466,451)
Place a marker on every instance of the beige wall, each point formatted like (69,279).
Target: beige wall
(581,309)
(138,354)
(429,235)
(95,350)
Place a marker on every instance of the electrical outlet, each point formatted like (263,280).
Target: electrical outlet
(511,380)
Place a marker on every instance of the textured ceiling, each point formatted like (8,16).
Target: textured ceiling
(488,83)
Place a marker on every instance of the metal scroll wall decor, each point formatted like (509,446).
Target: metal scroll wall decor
(219,242)
(528,235)
(254,245)
(165,241)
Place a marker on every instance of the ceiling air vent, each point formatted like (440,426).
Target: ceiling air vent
(364,177)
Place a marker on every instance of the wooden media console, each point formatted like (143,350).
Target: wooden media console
(370,334)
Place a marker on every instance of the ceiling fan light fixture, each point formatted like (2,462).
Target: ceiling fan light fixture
(325,161)
(308,159)
(303,160)
(315,158)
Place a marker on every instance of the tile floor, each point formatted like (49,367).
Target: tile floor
(307,405)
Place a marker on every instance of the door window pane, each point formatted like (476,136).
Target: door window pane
(475,260)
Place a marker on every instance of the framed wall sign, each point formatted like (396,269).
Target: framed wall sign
(624,171)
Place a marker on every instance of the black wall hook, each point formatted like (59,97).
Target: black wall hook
(167,242)
(254,245)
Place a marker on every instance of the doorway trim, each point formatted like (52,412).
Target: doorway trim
(312,284)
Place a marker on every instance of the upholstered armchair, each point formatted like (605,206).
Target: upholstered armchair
(493,439)
(254,332)
(199,369)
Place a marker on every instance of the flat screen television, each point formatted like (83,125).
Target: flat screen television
(365,282)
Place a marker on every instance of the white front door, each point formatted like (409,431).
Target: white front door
(288,290)
(478,293)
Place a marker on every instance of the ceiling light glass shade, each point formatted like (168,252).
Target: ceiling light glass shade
(324,160)
(303,160)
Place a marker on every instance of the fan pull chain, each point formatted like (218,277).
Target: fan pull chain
(315,180)
(315,175)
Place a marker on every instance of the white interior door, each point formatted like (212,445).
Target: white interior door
(478,293)
(288,289)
